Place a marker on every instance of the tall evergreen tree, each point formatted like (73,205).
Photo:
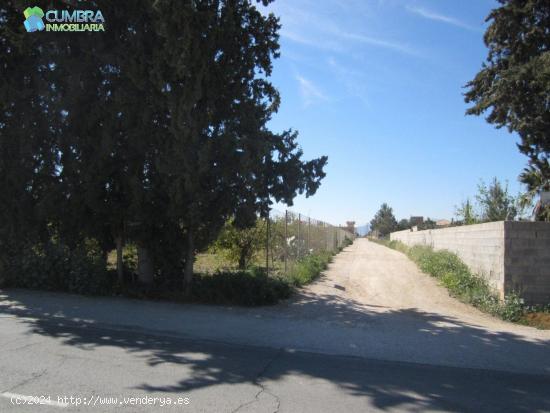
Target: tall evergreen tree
(384,221)
(156,129)
(223,161)
(466,214)
(28,128)
(514,83)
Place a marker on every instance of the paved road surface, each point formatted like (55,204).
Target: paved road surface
(373,335)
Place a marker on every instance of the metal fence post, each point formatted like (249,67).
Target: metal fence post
(267,244)
(325,230)
(299,240)
(286,239)
(308,233)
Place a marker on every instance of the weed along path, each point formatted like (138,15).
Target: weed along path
(372,303)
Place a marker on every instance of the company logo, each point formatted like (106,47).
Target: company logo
(64,20)
(33,19)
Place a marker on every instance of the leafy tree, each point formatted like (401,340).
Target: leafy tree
(241,244)
(384,221)
(350,227)
(495,202)
(536,184)
(427,224)
(403,224)
(466,213)
(514,82)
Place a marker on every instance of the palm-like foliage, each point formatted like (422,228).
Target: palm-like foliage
(536,178)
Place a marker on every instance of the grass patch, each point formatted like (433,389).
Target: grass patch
(461,283)
(307,269)
(211,263)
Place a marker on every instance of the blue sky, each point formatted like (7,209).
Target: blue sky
(377,86)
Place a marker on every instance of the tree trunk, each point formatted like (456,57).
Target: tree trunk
(242,261)
(145,266)
(189,261)
(244,255)
(119,260)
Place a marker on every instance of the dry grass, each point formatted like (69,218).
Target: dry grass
(539,320)
(208,263)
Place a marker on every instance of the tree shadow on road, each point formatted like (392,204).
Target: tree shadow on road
(384,385)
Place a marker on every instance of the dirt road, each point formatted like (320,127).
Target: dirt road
(384,280)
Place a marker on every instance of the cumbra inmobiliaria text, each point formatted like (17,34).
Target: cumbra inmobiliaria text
(74,21)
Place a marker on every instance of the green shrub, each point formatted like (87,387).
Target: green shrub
(55,267)
(308,268)
(347,242)
(240,288)
(257,271)
(129,258)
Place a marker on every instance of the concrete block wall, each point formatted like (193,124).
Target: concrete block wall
(527,260)
(481,247)
(511,256)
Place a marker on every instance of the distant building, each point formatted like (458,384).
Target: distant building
(350,226)
(442,223)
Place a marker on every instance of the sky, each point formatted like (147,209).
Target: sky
(377,86)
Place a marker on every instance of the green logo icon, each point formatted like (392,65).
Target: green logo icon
(33,19)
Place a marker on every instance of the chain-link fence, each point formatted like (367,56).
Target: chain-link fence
(291,236)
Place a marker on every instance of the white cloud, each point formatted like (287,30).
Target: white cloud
(375,42)
(317,43)
(313,30)
(310,93)
(431,15)
(353,81)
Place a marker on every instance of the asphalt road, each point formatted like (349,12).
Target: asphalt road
(341,345)
(109,367)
